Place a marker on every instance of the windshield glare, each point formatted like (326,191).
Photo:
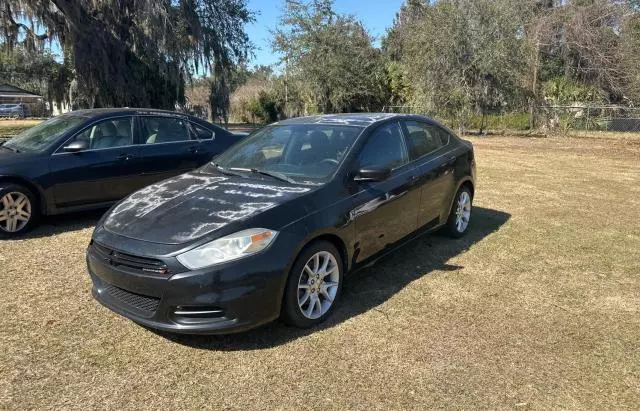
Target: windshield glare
(41,136)
(306,153)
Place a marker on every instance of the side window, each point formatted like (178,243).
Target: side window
(385,148)
(202,133)
(444,137)
(109,133)
(157,130)
(423,138)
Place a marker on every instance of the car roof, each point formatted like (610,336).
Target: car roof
(351,119)
(105,112)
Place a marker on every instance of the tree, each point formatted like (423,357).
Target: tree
(219,98)
(411,12)
(630,58)
(255,97)
(465,56)
(329,59)
(586,38)
(36,71)
(132,53)
(197,97)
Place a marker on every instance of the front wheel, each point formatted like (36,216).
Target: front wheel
(313,286)
(18,210)
(458,223)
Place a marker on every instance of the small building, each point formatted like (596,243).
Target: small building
(35,103)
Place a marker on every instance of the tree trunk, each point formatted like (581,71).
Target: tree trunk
(534,86)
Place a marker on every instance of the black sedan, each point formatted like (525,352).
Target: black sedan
(270,227)
(93,158)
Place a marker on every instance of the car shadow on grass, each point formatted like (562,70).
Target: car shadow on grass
(366,289)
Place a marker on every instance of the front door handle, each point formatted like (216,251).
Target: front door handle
(194,149)
(125,157)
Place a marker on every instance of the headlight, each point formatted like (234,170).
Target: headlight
(231,247)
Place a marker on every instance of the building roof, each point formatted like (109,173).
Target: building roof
(7,90)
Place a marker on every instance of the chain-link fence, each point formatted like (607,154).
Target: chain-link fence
(576,119)
(470,123)
(558,120)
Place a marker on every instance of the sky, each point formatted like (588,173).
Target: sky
(376,15)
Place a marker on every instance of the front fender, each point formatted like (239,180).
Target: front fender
(31,185)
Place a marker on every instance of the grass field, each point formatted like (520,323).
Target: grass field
(10,128)
(538,308)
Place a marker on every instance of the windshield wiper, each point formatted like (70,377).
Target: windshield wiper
(10,148)
(273,174)
(276,175)
(225,171)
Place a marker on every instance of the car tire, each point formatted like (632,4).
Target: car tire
(307,282)
(17,203)
(460,216)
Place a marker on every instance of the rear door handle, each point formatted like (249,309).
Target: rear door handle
(413,180)
(451,160)
(125,156)
(194,149)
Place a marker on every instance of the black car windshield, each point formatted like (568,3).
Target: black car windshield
(41,136)
(303,153)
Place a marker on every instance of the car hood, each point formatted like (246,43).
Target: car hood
(9,157)
(193,205)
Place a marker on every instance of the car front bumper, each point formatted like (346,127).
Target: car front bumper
(223,299)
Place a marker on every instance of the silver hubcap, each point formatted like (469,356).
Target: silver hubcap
(463,212)
(15,212)
(318,285)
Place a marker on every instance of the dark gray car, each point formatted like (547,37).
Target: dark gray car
(14,110)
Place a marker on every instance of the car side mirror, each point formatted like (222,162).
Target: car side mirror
(372,174)
(76,146)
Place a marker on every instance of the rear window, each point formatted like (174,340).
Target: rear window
(202,133)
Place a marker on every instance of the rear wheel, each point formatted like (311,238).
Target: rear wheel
(458,223)
(18,210)
(313,286)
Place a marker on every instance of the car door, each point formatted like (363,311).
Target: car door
(386,211)
(166,146)
(429,149)
(106,171)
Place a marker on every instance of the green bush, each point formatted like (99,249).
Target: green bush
(563,91)
(265,108)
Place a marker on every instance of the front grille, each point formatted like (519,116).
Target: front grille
(141,302)
(132,262)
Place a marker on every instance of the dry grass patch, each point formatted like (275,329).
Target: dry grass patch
(537,308)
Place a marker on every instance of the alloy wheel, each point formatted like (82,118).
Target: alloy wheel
(318,285)
(463,211)
(15,212)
